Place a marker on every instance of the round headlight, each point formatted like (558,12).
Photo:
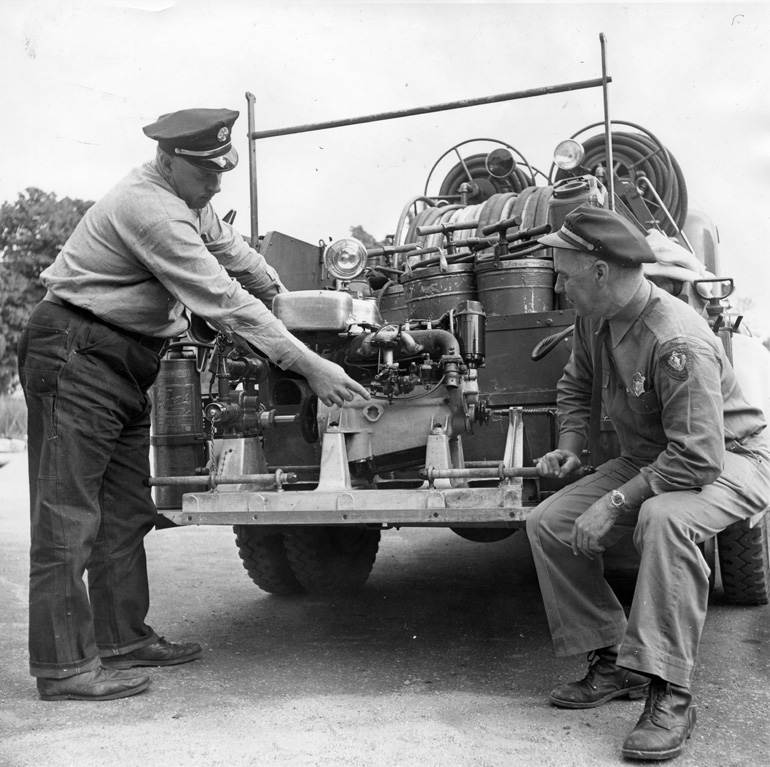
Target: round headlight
(568,154)
(345,259)
(500,163)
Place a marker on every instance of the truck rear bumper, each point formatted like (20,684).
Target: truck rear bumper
(441,507)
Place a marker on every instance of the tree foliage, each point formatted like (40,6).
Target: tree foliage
(367,239)
(32,231)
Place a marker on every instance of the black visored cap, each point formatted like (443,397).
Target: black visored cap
(200,136)
(602,233)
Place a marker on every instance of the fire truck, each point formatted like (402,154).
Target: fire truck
(455,329)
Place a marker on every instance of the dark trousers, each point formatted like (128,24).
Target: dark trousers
(88,446)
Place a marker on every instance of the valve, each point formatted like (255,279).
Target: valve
(222,413)
(251,368)
(715,291)
(448,231)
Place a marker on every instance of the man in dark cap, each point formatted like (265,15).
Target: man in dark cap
(117,293)
(693,460)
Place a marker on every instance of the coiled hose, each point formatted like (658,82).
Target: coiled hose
(488,185)
(639,156)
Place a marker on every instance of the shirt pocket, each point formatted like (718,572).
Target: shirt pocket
(646,418)
(647,403)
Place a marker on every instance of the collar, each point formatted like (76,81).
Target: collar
(621,322)
(158,170)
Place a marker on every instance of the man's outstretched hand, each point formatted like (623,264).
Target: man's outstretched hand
(329,381)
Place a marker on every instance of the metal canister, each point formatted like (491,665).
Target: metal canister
(178,439)
(433,291)
(518,286)
(568,194)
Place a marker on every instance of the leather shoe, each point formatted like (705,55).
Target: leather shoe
(158,653)
(604,681)
(666,723)
(99,684)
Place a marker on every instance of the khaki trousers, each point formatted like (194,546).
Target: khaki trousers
(662,632)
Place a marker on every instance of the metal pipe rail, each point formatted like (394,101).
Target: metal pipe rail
(279,477)
(543,91)
(501,472)
(254,135)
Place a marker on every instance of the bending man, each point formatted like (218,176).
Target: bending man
(117,293)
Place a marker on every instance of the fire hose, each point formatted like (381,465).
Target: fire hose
(641,157)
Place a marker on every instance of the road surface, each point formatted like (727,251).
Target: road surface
(443,660)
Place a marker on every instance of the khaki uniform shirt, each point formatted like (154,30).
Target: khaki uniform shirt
(668,388)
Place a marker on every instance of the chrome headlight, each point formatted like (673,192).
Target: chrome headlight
(345,259)
(568,154)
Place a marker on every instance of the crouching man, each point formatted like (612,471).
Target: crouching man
(693,461)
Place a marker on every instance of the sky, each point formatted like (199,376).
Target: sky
(80,78)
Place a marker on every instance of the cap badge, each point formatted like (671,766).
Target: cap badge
(223,134)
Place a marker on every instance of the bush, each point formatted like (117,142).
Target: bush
(13,418)
(32,231)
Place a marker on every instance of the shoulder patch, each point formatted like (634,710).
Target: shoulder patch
(675,361)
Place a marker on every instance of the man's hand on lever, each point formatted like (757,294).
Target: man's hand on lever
(558,464)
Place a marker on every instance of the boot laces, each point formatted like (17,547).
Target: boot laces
(594,660)
(659,696)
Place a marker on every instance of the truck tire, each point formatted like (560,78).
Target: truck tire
(264,557)
(744,561)
(483,534)
(331,560)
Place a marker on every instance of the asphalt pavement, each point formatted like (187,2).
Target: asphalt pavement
(442,660)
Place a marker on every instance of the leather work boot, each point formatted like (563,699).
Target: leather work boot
(605,680)
(99,684)
(158,653)
(666,723)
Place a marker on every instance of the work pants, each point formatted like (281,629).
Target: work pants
(88,446)
(661,635)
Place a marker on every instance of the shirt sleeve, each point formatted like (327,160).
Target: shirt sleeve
(178,255)
(573,391)
(239,259)
(687,375)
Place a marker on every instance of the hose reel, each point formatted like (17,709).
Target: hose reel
(503,169)
(641,159)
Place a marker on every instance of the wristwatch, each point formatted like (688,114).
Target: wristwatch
(618,500)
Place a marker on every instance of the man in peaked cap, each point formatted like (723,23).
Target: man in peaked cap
(117,294)
(200,136)
(692,461)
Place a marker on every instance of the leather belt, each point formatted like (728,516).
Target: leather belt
(154,343)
